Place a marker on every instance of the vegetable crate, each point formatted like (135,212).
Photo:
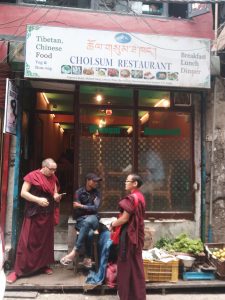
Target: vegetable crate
(218,264)
(159,271)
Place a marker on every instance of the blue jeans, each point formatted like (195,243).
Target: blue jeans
(104,245)
(86,227)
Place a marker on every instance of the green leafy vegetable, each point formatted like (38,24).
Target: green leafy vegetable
(181,243)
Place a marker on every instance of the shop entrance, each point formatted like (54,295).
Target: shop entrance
(113,131)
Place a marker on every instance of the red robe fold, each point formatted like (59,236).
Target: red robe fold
(131,280)
(35,248)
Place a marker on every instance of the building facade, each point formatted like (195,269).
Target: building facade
(112,87)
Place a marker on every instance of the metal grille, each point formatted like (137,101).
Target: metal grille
(108,157)
(166,167)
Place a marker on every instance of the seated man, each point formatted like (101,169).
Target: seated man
(86,204)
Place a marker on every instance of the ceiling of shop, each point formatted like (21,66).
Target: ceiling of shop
(61,99)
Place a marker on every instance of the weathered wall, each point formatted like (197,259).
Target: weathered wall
(217,97)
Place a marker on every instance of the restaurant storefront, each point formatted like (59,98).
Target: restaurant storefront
(136,102)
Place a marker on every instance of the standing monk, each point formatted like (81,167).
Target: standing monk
(130,277)
(35,250)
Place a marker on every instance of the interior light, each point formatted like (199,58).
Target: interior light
(129,130)
(95,135)
(166,103)
(99,97)
(162,103)
(108,112)
(45,97)
(144,118)
(102,123)
(61,129)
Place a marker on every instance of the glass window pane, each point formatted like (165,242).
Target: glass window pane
(165,160)
(109,95)
(178,10)
(152,8)
(154,98)
(106,150)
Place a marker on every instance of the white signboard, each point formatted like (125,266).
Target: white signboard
(116,57)
(11,101)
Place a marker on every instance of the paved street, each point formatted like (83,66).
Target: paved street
(76,296)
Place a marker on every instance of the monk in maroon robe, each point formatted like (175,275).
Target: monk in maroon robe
(35,250)
(130,277)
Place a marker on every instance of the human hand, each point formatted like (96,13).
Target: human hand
(43,202)
(110,227)
(77,205)
(57,197)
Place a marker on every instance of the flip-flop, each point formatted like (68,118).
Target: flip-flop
(65,261)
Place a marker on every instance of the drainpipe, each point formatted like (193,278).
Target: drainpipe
(212,165)
(203,167)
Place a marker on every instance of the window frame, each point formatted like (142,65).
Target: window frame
(151,215)
(192,13)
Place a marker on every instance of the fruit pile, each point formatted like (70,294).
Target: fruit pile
(218,253)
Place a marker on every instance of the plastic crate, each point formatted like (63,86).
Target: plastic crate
(218,264)
(198,276)
(156,271)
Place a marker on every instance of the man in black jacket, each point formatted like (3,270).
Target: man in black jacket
(86,204)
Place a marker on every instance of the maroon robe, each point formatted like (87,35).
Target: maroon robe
(130,278)
(35,248)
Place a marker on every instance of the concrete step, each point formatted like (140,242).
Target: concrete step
(60,250)
(60,235)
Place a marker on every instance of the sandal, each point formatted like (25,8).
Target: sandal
(11,278)
(65,261)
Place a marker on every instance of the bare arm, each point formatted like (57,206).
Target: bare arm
(25,193)
(124,218)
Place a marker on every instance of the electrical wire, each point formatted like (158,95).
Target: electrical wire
(24,31)
(116,22)
(150,44)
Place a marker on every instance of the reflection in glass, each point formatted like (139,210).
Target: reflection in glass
(154,98)
(106,149)
(165,160)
